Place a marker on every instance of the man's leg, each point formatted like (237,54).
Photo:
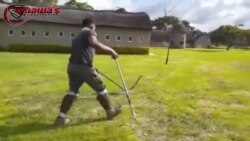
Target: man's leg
(95,82)
(75,82)
(67,103)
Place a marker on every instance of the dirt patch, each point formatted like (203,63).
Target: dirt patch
(210,105)
(241,66)
(237,106)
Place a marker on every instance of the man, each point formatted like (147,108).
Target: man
(80,71)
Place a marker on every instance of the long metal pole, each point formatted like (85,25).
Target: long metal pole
(111,80)
(126,90)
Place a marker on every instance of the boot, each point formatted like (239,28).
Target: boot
(60,121)
(111,112)
(66,104)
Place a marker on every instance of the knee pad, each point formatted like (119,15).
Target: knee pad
(73,94)
(103,92)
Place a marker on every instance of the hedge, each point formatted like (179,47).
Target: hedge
(38,48)
(64,49)
(2,49)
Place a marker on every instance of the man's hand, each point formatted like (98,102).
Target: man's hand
(114,54)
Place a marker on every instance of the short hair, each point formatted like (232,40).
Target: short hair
(87,21)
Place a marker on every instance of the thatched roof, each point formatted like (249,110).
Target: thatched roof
(102,18)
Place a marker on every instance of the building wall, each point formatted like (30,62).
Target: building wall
(160,44)
(53,38)
(39,29)
(177,40)
(124,33)
(203,41)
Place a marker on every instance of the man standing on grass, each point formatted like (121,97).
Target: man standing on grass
(80,70)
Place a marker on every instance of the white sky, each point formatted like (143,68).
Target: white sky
(206,15)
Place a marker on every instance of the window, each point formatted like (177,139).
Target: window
(130,39)
(33,34)
(46,34)
(118,38)
(23,33)
(60,34)
(72,35)
(11,32)
(107,37)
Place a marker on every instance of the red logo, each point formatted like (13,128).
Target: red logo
(16,15)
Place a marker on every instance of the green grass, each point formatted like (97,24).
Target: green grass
(201,95)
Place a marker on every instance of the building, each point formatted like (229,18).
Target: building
(160,38)
(179,37)
(202,40)
(175,37)
(114,28)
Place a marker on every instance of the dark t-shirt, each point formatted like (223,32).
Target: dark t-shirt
(82,53)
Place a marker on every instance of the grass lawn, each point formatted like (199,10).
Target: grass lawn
(201,95)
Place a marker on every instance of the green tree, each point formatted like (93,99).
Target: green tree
(84,6)
(187,25)
(225,35)
(246,34)
(160,22)
(77,5)
(71,4)
(35,2)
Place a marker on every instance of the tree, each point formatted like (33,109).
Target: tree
(71,4)
(246,35)
(84,6)
(35,2)
(187,25)
(225,35)
(77,5)
(160,22)
(121,10)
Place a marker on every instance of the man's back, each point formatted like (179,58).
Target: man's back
(81,52)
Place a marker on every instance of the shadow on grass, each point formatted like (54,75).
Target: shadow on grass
(28,128)
(12,130)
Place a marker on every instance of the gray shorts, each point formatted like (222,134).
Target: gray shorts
(79,74)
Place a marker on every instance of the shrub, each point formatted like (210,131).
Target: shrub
(2,49)
(38,48)
(128,50)
(64,49)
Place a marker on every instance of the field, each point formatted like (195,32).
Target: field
(201,95)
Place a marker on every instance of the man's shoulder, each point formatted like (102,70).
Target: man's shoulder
(89,31)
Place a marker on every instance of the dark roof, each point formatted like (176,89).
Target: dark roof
(160,36)
(102,18)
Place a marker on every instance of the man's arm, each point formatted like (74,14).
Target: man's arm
(97,45)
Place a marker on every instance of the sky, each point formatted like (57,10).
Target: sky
(205,15)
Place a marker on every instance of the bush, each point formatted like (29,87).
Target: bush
(2,49)
(38,48)
(64,49)
(128,50)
